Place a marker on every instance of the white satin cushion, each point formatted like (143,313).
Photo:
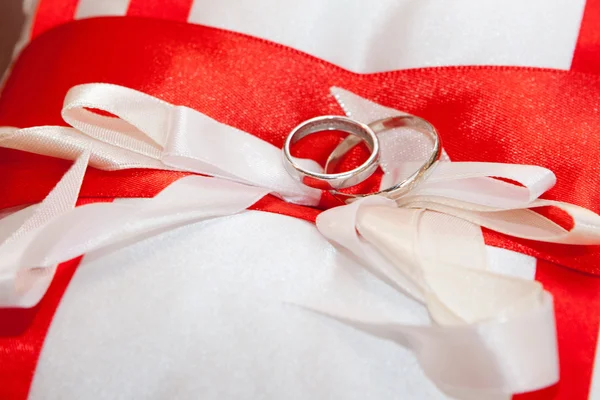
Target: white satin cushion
(209,311)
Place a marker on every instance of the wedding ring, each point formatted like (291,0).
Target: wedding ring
(330,181)
(400,188)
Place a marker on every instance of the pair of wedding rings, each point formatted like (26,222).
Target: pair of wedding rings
(358,132)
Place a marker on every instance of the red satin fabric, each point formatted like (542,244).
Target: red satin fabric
(22,332)
(586,57)
(576,305)
(175,10)
(51,13)
(517,115)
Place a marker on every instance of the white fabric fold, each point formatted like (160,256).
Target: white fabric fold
(488,326)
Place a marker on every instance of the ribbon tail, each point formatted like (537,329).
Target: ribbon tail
(69,144)
(23,285)
(493,335)
(489,360)
(96,226)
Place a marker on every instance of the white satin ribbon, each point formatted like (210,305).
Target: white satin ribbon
(493,334)
(146,132)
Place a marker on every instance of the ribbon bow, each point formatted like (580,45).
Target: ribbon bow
(429,245)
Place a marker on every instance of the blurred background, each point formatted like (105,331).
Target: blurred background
(11,20)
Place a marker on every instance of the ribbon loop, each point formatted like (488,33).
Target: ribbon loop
(140,122)
(200,144)
(478,177)
(180,138)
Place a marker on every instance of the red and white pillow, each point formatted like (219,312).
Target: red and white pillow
(189,314)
